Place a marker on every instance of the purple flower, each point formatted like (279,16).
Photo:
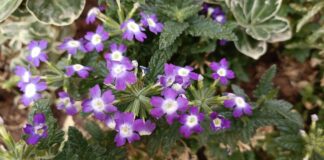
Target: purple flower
(36,131)
(36,52)
(211,10)
(66,103)
(95,40)
(31,90)
(132,29)
(191,122)
(219,18)
(151,21)
(99,104)
(120,73)
(218,122)
(72,46)
(221,71)
(23,74)
(144,128)
(125,128)
(168,105)
(222,42)
(238,104)
(116,52)
(81,70)
(177,77)
(92,15)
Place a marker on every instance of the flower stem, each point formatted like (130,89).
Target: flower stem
(120,12)
(131,13)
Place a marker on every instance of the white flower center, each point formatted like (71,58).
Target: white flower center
(73,43)
(177,86)
(39,130)
(183,72)
(118,70)
(116,56)
(221,72)
(169,80)
(77,67)
(144,133)
(35,52)
(217,122)
(210,10)
(96,39)
(239,102)
(151,22)
(169,106)
(30,90)
(65,101)
(219,18)
(126,130)
(26,77)
(132,26)
(98,104)
(191,121)
(93,11)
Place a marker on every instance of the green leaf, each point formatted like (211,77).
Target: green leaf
(205,27)
(163,138)
(56,12)
(78,148)
(238,91)
(261,24)
(310,14)
(265,84)
(94,130)
(283,108)
(172,30)
(159,58)
(249,46)
(7,7)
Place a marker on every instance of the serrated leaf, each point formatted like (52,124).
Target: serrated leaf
(159,58)
(283,108)
(77,147)
(265,84)
(310,14)
(205,27)
(94,130)
(238,91)
(56,12)
(172,30)
(7,7)
(164,139)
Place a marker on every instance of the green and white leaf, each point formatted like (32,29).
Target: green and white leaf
(249,46)
(56,12)
(260,21)
(7,7)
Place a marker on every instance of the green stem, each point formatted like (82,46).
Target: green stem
(120,12)
(131,13)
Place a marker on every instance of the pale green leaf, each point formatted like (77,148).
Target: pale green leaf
(7,7)
(56,12)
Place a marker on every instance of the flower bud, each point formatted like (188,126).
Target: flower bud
(314,117)
(135,63)
(303,133)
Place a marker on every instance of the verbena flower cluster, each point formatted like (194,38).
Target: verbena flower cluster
(172,103)
(217,14)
